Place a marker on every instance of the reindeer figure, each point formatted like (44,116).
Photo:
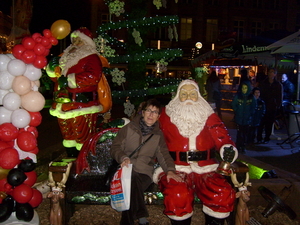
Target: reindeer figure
(242,214)
(55,195)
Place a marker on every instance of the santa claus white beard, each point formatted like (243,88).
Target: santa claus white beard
(189,118)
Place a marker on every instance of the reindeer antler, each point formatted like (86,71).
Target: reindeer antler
(234,180)
(62,183)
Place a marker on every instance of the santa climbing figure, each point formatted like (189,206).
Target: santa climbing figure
(76,75)
(194,136)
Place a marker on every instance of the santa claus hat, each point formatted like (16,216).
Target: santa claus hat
(85,34)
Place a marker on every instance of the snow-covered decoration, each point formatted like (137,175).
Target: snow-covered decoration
(161,66)
(118,76)
(128,108)
(137,37)
(157,3)
(116,7)
(105,50)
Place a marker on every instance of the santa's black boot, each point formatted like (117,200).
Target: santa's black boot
(72,152)
(209,220)
(181,222)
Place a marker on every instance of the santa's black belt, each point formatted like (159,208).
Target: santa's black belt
(194,156)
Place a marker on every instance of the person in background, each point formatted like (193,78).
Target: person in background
(252,78)
(127,140)
(244,79)
(243,106)
(288,88)
(194,133)
(259,113)
(271,93)
(213,88)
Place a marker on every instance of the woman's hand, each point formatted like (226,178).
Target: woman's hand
(125,162)
(173,175)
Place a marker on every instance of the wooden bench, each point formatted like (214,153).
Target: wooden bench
(86,183)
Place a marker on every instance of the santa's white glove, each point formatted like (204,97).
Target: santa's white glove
(228,153)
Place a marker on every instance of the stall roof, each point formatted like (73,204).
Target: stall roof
(289,44)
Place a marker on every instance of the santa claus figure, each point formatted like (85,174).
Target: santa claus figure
(76,102)
(194,135)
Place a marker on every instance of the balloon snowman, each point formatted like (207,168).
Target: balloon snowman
(20,103)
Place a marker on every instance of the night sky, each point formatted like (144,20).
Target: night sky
(46,12)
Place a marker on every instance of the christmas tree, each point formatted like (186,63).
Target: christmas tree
(135,53)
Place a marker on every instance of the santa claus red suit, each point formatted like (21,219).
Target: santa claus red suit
(194,133)
(81,70)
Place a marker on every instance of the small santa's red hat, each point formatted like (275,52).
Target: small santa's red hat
(85,34)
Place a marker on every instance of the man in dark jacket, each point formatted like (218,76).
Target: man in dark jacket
(288,88)
(271,93)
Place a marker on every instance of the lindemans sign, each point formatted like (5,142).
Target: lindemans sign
(251,49)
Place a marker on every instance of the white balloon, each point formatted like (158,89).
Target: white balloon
(5,115)
(11,56)
(6,80)
(16,67)
(4,59)
(2,94)
(12,101)
(32,73)
(20,118)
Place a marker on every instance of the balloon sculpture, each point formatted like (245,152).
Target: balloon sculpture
(20,103)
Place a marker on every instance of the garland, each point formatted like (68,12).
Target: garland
(166,86)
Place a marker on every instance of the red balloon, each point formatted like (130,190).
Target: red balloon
(9,158)
(36,119)
(53,41)
(22,193)
(4,145)
(33,130)
(31,178)
(18,50)
(26,141)
(28,56)
(47,51)
(36,37)
(45,41)
(39,49)
(2,184)
(36,199)
(40,62)
(8,132)
(47,33)
(28,42)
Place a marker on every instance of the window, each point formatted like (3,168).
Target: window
(255,28)
(238,27)
(104,18)
(186,28)
(211,30)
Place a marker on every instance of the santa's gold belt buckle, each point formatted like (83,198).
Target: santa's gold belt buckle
(189,156)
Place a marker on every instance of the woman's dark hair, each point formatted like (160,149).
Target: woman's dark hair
(152,102)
